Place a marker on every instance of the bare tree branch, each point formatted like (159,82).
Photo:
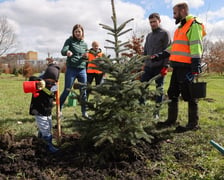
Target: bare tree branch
(7,36)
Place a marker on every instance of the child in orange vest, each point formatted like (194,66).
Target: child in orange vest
(92,71)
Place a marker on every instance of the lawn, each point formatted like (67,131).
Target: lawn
(186,155)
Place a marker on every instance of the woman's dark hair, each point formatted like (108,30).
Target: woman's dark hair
(76,27)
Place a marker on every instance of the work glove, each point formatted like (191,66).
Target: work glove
(164,71)
(190,76)
(154,57)
(196,66)
(159,56)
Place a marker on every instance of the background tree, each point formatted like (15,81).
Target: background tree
(134,46)
(7,36)
(214,55)
(27,70)
(1,69)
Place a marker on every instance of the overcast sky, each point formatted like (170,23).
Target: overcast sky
(44,25)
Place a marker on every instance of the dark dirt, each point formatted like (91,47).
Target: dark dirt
(28,159)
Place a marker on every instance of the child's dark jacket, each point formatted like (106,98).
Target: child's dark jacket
(42,105)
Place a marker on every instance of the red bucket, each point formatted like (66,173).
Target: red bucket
(29,86)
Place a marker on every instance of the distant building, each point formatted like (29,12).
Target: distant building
(17,60)
(19,57)
(15,56)
(31,55)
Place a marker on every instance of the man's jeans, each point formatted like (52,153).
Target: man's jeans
(70,76)
(148,74)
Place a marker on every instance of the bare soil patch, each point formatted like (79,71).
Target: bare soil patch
(28,159)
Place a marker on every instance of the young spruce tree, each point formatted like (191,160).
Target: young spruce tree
(117,117)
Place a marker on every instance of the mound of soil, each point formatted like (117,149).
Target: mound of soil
(29,159)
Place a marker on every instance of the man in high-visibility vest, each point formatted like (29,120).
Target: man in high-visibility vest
(185,58)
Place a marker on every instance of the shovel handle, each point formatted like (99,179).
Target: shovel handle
(217,146)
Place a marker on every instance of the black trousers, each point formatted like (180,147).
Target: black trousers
(98,80)
(91,76)
(179,85)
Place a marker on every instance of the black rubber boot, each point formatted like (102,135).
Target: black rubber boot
(50,146)
(193,114)
(192,118)
(172,115)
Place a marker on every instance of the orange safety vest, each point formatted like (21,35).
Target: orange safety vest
(180,49)
(91,67)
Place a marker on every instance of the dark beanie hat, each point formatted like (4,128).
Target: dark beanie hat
(52,72)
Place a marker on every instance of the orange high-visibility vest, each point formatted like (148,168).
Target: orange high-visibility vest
(180,50)
(91,67)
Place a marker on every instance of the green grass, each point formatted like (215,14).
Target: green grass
(197,158)
(187,155)
(14,111)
